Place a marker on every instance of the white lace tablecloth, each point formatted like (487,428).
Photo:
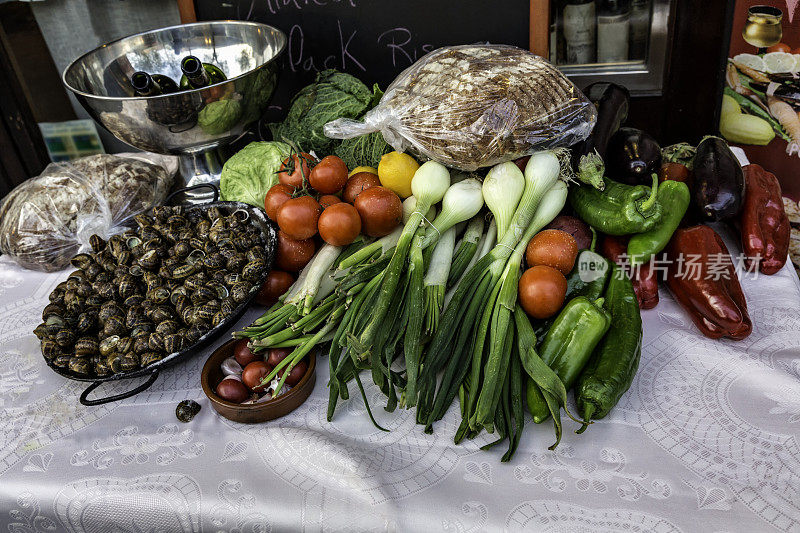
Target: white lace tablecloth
(707,439)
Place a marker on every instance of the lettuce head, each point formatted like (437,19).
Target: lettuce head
(250,172)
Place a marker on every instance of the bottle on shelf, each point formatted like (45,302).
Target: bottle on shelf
(197,74)
(145,84)
(579,31)
(613,28)
(639,30)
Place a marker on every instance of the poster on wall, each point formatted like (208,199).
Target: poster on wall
(761,103)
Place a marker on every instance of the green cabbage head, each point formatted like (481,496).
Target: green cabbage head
(250,172)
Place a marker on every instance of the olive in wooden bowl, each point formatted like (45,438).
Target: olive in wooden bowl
(250,413)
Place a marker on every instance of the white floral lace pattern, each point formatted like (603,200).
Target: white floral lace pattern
(165,446)
(548,516)
(704,411)
(551,470)
(165,502)
(474,517)
(237,511)
(27,517)
(379,465)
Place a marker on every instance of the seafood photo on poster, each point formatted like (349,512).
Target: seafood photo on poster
(761,102)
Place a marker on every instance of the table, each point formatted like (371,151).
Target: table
(707,439)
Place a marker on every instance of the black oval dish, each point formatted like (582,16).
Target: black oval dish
(257,216)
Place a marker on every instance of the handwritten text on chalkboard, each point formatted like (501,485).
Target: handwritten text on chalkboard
(372,39)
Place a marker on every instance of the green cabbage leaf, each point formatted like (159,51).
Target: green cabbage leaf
(332,95)
(365,150)
(250,172)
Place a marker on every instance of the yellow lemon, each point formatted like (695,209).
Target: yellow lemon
(395,172)
(356,170)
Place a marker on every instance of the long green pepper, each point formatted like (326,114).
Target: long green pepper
(542,385)
(674,197)
(610,371)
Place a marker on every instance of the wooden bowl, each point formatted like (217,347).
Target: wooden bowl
(254,412)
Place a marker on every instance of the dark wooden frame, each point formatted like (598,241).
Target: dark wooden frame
(540,27)
(187,11)
(24,153)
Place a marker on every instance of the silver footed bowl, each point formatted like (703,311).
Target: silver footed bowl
(191,123)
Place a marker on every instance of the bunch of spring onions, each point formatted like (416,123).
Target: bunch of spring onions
(430,310)
(473,354)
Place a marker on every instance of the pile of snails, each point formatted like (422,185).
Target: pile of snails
(153,290)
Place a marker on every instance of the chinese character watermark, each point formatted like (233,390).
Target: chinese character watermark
(693,267)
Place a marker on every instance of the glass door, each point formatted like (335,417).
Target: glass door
(620,40)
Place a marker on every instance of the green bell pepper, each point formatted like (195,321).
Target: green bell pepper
(619,209)
(568,345)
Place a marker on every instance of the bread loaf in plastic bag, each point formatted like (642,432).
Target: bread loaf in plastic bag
(48,219)
(474,106)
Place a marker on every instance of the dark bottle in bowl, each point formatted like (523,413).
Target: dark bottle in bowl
(197,74)
(152,85)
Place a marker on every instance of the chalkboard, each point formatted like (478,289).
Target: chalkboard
(372,39)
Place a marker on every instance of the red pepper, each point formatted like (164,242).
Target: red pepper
(702,278)
(645,283)
(764,224)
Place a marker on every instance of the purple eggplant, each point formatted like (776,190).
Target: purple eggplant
(612,102)
(718,185)
(632,157)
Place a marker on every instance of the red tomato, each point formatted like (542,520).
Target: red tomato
(232,390)
(298,217)
(329,175)
(294,169)
(780,47)
(243,355)
(380,209)
(277,283)
(327,200)
(277,195)
(254,373)
(293,254)
(357,183)
(554,248)
(340,224)
(541,291)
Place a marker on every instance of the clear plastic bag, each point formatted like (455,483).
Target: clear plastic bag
(48,219)
(473,106)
